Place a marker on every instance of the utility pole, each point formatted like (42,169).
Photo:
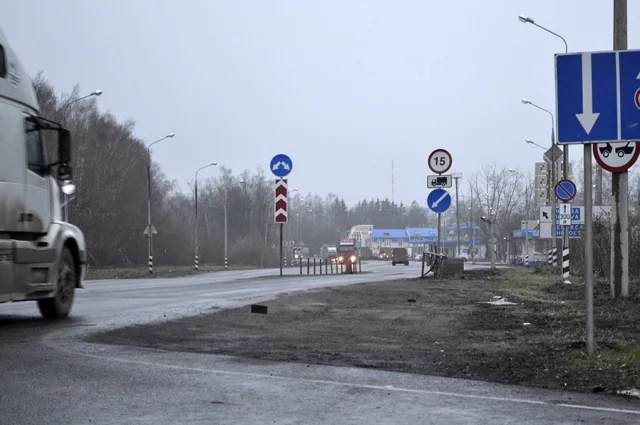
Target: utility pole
(150,229)
(552,184)
(226,230)
(490,219)
(392,182)
(195,196)
(619,277)
(598,185)
(457,177)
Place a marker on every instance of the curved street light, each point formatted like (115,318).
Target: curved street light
(531,142)
(150,230)
(63,108)
(196,211)
(527,20)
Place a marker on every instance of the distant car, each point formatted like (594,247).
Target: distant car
(384,256)
(399,256)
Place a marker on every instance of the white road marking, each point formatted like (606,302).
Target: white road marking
(68,350)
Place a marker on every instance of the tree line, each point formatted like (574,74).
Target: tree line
(110,174)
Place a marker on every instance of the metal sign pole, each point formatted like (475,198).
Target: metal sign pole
(438,243)
(281,226)
(588,246)
(620,184)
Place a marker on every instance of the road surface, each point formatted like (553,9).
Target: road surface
(49,375)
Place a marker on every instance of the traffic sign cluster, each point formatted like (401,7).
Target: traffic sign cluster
(598,103)
(281,165)
(439,200)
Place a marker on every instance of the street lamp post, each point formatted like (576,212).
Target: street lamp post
(491,221)
(150,230)
(565,149)
(290,243)
(473,234)
(554,240)
(526,207)
(531,142)
(63,108)
(457,177)
(195,196)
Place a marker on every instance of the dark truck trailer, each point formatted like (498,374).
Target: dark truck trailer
(365,253)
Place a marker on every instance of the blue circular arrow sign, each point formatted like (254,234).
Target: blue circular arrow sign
(439,200)
(281,165)
(566,190)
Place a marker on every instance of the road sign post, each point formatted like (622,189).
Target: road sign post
(281,166)
(597,102)
(565,191)
(438,201)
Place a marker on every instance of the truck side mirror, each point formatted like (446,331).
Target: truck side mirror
(64,146)
(64,172)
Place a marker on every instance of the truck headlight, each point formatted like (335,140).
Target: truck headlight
(341,259)
(353,258)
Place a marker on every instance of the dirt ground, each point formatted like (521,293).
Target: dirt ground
(427,327)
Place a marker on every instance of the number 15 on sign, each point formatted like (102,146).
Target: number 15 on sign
(564,216)
(440,161)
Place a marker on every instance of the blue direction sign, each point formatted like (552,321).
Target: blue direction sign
(597,96)
(439,200)
(566,190)
(281,165)
(575,231)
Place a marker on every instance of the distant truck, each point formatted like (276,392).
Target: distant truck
(300,253)
(348,254)
(329,252)
(42,258)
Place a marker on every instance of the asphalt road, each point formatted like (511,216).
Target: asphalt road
(50,376)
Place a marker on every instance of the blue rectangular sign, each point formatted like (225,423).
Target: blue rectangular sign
(575,230)
(596,99)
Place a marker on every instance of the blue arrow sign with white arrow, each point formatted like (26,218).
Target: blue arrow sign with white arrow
(281,165)
(439,200)
(598,96)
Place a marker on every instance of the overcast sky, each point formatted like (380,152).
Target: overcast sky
(342,86)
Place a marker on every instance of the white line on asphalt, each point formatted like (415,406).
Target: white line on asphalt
(54,345)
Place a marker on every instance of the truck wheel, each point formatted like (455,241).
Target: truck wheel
(393,264)
(59,306)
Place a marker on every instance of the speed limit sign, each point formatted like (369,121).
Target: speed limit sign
(440,161)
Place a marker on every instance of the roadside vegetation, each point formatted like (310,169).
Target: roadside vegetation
(162,271)
(558,311)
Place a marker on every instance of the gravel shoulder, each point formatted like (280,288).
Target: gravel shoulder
(431,327)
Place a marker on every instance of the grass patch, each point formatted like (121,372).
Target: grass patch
(558,310)
(161,271)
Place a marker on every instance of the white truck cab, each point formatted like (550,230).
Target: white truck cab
(42,258)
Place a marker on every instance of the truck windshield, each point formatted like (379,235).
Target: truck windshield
(332,249)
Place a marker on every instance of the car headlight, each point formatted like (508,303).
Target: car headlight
(353,258)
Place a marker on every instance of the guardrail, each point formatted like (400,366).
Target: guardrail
(440,265)
(316,265)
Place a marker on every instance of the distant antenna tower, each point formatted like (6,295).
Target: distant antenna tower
(392,181)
